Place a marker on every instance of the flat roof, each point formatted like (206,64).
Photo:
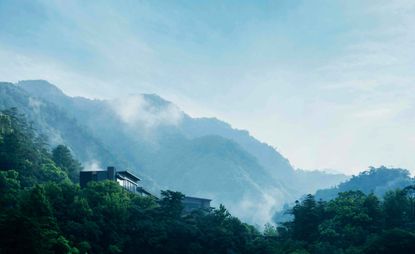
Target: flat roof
(95,170)
(129,174)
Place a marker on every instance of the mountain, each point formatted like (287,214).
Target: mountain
(375,180)
(166,147)
(56,124)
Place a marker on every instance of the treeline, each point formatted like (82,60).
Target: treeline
(353,222)
(43,210)
(374,180)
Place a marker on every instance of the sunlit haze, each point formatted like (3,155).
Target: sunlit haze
(329,84)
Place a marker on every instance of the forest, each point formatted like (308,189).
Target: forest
(43,210)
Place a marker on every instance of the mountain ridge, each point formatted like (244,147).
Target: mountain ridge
(170,149)
(374,180)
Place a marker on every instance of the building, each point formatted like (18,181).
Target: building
(130,182)
(193,203)
(125,178)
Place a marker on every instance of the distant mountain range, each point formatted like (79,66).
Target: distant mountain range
(375,180)
(167,148)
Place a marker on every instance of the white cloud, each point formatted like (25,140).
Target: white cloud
(92,165)
(35,104)
(138,111)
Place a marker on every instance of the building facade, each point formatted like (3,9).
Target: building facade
(125,178)
(130,182)
(193,203)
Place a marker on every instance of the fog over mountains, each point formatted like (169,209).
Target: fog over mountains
(167,148)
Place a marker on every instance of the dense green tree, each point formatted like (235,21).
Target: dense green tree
(410,194)
(396,208)
(62,157)
(171,203)
(392,241)
(351,223)
(307,214)
(9,189)
(24,151)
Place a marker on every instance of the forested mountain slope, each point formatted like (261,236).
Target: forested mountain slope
(55,124)
(45,211)
(165,146)
(375,180)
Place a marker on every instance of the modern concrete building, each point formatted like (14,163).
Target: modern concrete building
(194,203)
(130,182)
(125,178)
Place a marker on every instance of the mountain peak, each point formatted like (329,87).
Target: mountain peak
(155,100)
(40,88)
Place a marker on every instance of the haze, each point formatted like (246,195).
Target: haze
(330,84)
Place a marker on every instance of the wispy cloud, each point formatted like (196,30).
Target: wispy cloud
(318,81)
(138,111)
(92,165)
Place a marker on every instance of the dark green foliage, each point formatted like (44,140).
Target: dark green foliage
(392,241)
(354,222)
(43,212)
(62,157)
(22,150)
(396,208)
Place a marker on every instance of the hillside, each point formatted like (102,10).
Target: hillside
(44,210)
(56,124)
(165,146)
(375,180)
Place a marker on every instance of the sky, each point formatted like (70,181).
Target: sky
(329,84)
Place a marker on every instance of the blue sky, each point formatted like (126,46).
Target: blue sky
(330,84)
